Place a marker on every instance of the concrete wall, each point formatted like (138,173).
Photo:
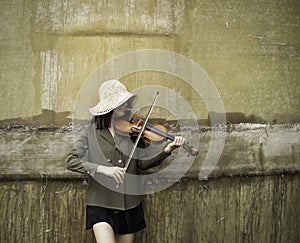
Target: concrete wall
(245,209)
(249,49)
(251,195)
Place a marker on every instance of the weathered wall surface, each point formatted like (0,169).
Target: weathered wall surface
(252,195)
(249,49)
(245,209)
(35,153)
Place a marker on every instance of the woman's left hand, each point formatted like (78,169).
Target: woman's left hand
(178,141)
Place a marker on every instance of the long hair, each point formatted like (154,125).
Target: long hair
(103,121)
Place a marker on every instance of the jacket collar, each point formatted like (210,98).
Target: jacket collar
(118,141)
(105,133)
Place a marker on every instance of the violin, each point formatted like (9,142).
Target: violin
(153,133)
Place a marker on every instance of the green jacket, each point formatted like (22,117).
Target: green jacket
(94,147)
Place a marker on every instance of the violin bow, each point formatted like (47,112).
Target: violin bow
(140,134)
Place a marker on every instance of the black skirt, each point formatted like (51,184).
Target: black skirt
(122,221)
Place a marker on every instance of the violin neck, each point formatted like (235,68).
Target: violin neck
(159,132)
(189,149)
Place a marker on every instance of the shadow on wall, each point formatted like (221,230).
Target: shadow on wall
(239,117)
(47,118)
(50,118)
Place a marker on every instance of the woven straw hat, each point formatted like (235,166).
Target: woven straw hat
(112,94)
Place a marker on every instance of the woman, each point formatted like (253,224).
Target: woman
(102,153)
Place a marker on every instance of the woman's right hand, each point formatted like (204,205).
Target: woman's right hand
(115,172)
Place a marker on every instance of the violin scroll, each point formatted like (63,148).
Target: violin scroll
(190,150)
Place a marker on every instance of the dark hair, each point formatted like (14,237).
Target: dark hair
(103,120)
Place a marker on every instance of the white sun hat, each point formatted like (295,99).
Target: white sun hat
(112,93)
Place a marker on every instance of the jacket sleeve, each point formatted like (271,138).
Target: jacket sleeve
(147,164)
(78,158)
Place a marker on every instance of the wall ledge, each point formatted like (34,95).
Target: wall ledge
(29,153)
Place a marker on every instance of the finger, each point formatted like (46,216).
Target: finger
(115,175)
(182,141)
(120,170)
(115,178)
(118,178)
(178,141)
(121,174)
(174,142)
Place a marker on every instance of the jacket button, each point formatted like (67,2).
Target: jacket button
(119,161)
